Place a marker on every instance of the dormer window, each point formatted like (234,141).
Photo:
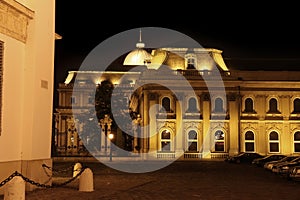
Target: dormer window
(190,61)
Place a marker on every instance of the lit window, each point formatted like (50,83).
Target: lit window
(165,140)
(192,141)
(297,142)
(274,142)
(219,141)
(249,141)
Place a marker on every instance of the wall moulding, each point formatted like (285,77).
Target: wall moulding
(14,19)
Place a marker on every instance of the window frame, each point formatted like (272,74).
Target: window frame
(188,58)
(252,105)
(249,141)
(196,109)
(296,142)
(296,111)
(274,141)
(169,141)
(219,140)
(194,140)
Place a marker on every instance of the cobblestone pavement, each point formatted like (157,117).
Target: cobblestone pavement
(206,180)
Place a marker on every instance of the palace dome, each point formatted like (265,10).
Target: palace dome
(139,56)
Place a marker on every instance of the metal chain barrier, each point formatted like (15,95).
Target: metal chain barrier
(8,179)
(16,173)
(57,170)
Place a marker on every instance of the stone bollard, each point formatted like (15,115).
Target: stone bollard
(15,189)
(77,168)
(86,181)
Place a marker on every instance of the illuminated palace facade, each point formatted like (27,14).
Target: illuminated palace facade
(225,112)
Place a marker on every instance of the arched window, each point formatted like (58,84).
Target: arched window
(218,105)
(192,105)
(165,140)
(166,104)
(219,141)
(296,106)
(297,142)
(274,142)
(249,141)
(192,141)
(191,63)
(273,106)
(249,105)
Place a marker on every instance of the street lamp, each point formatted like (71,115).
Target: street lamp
(110,136)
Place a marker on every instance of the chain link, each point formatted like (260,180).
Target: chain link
(39,184)
(8,178)
(70,180)
(57,170)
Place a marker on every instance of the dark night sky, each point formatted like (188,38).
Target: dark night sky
(251,36)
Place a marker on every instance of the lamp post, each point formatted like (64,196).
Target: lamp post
(110,136)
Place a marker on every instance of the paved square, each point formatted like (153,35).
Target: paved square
(203,179)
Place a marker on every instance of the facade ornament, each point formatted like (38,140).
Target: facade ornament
(249,126)
(273,126)
(166,124)
(192,125)
(219,125)
(19,16)
(294,127)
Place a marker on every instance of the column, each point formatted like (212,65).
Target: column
(145,123)
(206,126)
(179,129)
(136,134)
(233,139)
(153,132)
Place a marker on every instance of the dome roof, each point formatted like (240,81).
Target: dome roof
(138,56)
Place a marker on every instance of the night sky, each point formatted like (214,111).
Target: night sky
(251,36)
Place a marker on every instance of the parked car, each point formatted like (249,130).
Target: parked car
(269,165)
(284,167)
(243,157)
(261,161)
(294,173)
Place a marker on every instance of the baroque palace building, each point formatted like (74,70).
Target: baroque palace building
(177,103)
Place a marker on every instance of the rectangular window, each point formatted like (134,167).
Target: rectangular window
(274,147)
(219,146)
(249,146)
(91,100)
(192,146)
(73,100)
(165,146)
(1,81)
(297,147)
